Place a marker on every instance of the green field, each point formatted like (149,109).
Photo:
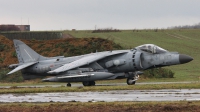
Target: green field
(185,41)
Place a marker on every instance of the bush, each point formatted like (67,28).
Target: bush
(14,54)
(2,46)
(159,73)
(1,60)
(41,45)
(105,30)
(15,77)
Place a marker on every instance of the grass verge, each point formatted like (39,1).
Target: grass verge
(15,89)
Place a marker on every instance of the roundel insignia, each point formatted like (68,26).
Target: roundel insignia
(51,66)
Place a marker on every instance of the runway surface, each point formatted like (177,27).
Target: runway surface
(107,96)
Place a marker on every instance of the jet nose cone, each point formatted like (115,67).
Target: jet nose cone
(184,58)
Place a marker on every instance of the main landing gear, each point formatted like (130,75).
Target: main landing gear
(69,85)
(89,83)
(86,83)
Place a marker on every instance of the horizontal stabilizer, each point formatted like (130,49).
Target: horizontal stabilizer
(21,67)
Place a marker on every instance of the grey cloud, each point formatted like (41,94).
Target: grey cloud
(85,14)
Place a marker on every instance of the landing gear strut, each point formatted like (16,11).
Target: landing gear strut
(89,83)
(69,85)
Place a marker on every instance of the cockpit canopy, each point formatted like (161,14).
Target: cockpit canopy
(151,48)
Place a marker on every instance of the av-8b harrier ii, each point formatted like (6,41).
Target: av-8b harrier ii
(95,66)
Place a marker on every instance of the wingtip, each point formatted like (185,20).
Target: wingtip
(9,73)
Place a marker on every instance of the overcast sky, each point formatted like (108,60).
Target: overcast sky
(86,14)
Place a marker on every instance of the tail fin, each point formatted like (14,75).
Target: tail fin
(25,54)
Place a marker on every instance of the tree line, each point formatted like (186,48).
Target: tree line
(195,26)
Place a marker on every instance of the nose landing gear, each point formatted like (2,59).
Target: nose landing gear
(130,81)
(132,77)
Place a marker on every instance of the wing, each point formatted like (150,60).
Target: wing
(21,67)
(84,61)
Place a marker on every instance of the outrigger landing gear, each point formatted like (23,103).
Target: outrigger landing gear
(69,85)
(89,83)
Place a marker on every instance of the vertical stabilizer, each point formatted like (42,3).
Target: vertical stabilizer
(25,54)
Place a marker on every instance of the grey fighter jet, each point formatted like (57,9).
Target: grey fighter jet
(94,66)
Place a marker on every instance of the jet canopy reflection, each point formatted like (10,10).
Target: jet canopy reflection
(151,48)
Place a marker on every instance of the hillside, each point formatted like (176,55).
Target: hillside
(58,47)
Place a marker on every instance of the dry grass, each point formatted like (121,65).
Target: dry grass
(182,106)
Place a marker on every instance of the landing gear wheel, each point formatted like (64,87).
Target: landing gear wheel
(92,83)
(89,83)
(69,85)
(130,81)
(86,83)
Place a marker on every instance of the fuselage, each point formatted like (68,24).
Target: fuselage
(129,61)
(94,66)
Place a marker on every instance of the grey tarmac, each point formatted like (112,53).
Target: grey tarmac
(107,96)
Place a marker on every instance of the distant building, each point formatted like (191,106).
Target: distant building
(12,27)
(23,27)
